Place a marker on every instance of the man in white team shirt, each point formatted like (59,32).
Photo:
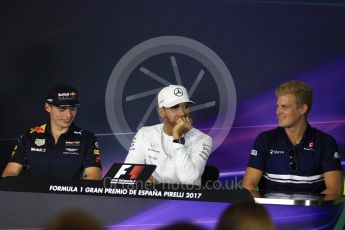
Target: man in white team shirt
(179,151)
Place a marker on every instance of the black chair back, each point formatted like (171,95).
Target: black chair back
(210,175)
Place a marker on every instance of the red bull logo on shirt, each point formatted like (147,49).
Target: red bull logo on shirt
(39,129)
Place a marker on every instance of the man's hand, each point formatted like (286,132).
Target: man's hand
(92,173)
(152,180)
(183,125)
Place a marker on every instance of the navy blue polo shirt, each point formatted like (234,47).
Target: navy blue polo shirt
(316,154)
(74,151)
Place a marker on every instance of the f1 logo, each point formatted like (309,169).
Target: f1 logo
(134,172)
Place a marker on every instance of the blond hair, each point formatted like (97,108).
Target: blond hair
(302,92)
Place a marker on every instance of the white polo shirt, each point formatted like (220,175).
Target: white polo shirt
(176,163)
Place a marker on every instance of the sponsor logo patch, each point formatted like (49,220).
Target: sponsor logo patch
(42,150)
(40,142)
(154,145)
(72,143)
(336,155)
(98,160)
(178,92)
(275,152)
(254,152)
(152,157)
(70,153)
(153,150)
(71,149)
(39,129)
(67,96)
(309,149)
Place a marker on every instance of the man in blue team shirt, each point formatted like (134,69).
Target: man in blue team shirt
(294,157)
(58,148)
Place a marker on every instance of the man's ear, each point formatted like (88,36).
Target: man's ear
(47,107)
(161,112)
(304,109)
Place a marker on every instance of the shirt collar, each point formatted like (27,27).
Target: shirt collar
(308,137)
(70,130)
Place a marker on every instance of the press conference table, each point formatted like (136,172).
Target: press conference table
(28,203)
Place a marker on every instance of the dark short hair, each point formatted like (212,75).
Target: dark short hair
(183,225)
(74,219)
(245,215)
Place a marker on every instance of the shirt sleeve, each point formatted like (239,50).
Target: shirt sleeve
(135,154)
(258,152)
(189,161)
(19,153)
(331,156)
(93,157)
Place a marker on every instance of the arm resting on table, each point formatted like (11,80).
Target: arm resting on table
(12,169)
(251,178)
(334,182)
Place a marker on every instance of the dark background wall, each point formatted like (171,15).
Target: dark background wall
(260,43)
